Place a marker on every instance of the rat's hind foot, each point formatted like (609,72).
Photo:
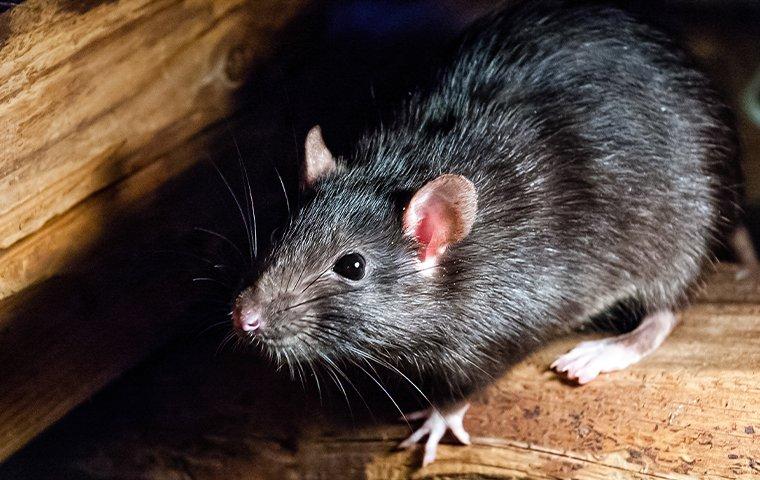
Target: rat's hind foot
(591,358)
(438,421)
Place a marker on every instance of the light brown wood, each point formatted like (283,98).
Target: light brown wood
(691,410)
(95,92)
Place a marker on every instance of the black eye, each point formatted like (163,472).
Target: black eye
(350,266)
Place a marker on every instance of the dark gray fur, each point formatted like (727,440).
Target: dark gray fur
(605,169)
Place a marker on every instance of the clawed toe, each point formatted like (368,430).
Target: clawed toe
(585,362)
(436,425)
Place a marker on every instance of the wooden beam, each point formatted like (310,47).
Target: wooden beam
(93,92)
(108,105)
(100,312)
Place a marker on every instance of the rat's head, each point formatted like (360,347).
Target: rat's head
(358,270)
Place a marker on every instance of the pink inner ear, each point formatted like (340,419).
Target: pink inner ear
(441,213)
(431,230)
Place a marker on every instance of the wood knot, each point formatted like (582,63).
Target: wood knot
(236,63)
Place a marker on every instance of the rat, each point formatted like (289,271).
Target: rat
(568,159)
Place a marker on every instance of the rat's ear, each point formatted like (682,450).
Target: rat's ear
(441,213)
(318,161)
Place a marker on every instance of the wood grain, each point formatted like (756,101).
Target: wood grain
(92,92)
(62,339)
(691,410)
(104,106)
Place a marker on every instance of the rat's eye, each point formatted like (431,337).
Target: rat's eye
(350,266)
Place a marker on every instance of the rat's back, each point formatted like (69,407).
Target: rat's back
(605,164)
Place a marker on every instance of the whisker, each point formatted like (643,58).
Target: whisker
(222,237)
(226,340)
(249,192)
(331,369)
(315,279)
(327,359)
(316,379)
(239,206)
(316,299)
(386,364)
(213,325)
(284,192)
(384,391)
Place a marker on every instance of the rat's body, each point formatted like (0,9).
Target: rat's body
(568,160)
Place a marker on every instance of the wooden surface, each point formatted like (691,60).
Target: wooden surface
(103,104)
(93,92)
(691,410)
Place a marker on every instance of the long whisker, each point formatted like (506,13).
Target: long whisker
(226,340)
(377,382)
(284,192)
(222,237)
(249,192)
(315,279)
(316,299)
(213,325)
(187,254)
(316,379)
(320,337)
(239,206)
(386,364)
(348,380)
(331,369)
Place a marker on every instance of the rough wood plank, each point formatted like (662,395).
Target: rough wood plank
(51,249)
(123,282)
(105,103)
(59,340)
(91,92)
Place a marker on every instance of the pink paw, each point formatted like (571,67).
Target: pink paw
(586,361)
(436,425)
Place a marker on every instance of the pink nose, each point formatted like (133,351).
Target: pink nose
(247,319)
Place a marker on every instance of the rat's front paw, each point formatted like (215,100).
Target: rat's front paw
(438,421)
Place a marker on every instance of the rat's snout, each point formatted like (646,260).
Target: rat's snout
(271,319)
(246,316)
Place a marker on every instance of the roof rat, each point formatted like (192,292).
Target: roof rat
(568,159)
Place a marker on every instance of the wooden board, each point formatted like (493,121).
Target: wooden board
(690,411)
(109,107)
(93,92)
